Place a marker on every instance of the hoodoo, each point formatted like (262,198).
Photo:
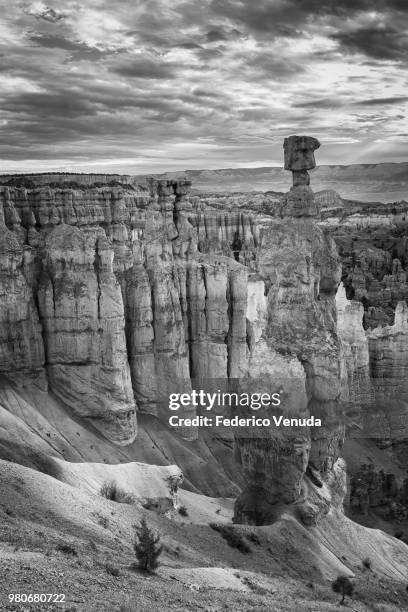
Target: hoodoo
(297,348)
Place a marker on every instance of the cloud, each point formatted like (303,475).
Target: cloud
(205,93)
(80,50)
(320,103)
(41,11)
(146,68)
(259,15)
(215,83)
(221,33)
(382,101)
(379,42)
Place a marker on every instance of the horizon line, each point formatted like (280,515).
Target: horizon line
(53,172)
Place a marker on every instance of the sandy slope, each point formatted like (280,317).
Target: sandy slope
(35,426)
(289,569)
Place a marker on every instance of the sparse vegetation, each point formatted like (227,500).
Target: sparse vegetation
(252,537)
(254,586)
(172,483)
(183,511)
(232,537)
(344,586)
(67,549)
(112,570)
(103,521)
(147,547)
(367,563)
(112,491)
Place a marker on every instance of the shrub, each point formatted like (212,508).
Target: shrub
(67,549)
(183,511)
(147,547)
(112,570)
(111,491)
(252,537)
(103,521)
(172,482)
(343,585)
(367,563)
(256,588)
(232,537)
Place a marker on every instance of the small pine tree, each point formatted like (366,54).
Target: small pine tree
(147,547)
(343,585)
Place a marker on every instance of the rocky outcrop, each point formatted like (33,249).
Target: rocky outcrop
(294,349)
(68,179)
(372,489)
(356,355)
(376,362)
(21,343)
(116,297)
(374,262)
(388,347)
(82,316)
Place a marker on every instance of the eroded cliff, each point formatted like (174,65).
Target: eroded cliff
(116,297)
(295,349)
(115,294)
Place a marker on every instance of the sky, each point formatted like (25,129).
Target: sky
(133,86)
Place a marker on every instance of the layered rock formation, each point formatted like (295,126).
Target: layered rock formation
(116,294)
(374,489)
(294,349)
(374,262)
(355,354)
(116,297)
(21,345)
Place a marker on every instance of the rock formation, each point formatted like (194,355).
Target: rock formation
(299,158)
(371,488)
(21,344)
(374,261)
(294,348)
(116,296)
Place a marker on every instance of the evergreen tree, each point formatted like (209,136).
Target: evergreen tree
(343,585)
(147,547)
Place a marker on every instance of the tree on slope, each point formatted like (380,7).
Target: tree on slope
(147,547)
(343,585)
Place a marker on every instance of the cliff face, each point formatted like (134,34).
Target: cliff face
(109,302)
(374,261)
(113,297)
(21,345)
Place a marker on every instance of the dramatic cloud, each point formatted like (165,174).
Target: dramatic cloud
(136,86)
(379,41)
(41,11)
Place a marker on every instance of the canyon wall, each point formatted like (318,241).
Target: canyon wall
(125,293)
(374,312)
(115,294)
(113,298)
